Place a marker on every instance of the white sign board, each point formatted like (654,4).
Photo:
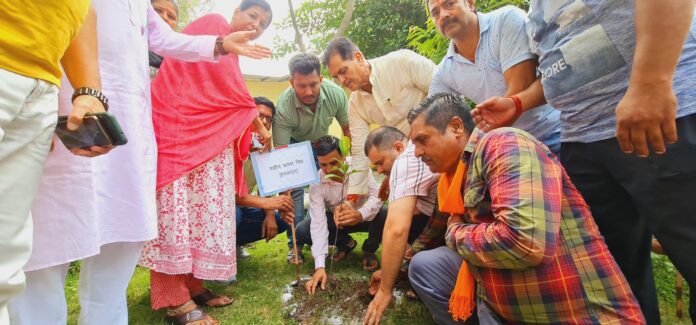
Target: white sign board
(284,169)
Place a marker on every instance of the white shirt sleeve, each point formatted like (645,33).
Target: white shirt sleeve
(420,69)
(371,207)
(359,129)
(168,43)
(318,227)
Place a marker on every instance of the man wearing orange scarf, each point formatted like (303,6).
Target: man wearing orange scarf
(526,234)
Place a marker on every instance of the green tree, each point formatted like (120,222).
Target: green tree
(377,26)
(431,44)
(189,10)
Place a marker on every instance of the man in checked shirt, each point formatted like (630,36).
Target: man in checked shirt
(524,230)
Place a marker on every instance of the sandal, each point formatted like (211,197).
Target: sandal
(189,313)
(291,257)
(337,256)
(367,262)
(206,296)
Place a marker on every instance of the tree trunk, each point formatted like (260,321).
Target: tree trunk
(345,23)
(298,35)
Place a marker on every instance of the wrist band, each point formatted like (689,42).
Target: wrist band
(91,92)
(518,104)
(219,48)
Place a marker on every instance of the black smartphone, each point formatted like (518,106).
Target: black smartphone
(101,129)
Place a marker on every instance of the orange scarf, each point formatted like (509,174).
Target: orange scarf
(449,195)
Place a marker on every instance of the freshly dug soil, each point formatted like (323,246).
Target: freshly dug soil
(344,301)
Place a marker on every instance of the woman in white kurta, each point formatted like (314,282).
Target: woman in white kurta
(101,210)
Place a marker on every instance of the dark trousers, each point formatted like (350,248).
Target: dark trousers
(298,199)
(633,198)
(249,223)
(374,228)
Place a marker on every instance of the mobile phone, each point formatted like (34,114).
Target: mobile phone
(255,143)
(101,129)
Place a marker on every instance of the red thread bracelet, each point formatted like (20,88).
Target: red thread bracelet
(518,104)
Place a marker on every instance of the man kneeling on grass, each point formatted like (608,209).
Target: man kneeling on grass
(526,234)
(333,220)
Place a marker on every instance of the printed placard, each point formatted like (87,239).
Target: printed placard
(284,169)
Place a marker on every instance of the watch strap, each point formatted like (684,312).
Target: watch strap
(91,92)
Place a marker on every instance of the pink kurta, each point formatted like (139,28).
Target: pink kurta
(85,203)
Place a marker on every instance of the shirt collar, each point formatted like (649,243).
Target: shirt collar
(474,139)
(484,22)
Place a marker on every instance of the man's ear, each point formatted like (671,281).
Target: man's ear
(321,78)
(471,4)
(457,127)
(398,146)
(292,83)
(359,57)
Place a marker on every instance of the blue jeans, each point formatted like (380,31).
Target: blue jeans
(249,222)
(298,198)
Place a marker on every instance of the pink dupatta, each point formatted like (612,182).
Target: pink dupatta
(199,109)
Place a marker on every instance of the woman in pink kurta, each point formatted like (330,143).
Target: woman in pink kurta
(202,113)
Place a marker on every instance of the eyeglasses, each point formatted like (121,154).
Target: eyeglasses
(265,118)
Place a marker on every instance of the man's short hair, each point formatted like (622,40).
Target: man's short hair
(383,138)
(246,4)
(325,145)
(260,100)
(342,46)
(440,108)
(304,64)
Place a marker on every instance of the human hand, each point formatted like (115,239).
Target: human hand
(494,112)
(384,189)
(269,227)
(240,44)
(83,105)
(282,203)
(319,277)
(288,217)
(375,282)
(345,215)
(376,309)
(455,218)
(647,114)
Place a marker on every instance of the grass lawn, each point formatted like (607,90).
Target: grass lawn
(263,277)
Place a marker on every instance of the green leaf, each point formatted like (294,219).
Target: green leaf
(334,176)
(344,145)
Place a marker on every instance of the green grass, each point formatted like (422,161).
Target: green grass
(263,277)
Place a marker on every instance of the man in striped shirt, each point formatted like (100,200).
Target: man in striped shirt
(525,231)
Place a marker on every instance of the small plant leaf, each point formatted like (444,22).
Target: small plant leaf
(334,176)
(344,145)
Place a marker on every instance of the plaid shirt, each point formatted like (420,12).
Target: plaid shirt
(530,240)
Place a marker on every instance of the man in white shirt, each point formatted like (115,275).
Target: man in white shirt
(384,90)
(331,220)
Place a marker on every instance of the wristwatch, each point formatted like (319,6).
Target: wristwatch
(91,92)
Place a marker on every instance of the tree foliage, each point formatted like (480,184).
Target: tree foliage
(189,10)
(377,26)
(431,44)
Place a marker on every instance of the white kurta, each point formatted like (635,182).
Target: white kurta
(85,203)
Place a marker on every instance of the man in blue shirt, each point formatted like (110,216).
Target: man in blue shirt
(624,69)
(489,56)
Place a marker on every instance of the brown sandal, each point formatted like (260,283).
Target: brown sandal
(189,313)
(206,296)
